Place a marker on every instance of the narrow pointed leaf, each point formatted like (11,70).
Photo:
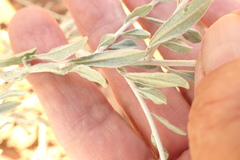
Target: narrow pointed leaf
(188,75)
(146,66)
(140,11)
(107,39)
(12,93)
(169,125)
(90,74)
(125,44)
(7,106)
(158,80)
(193,36)
(111,58)
(137,33)
(14,75)
(154,20)
(153,94)
(63,52)
(16,59)
(181,21)
(177,45)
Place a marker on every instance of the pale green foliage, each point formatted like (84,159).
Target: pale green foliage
(140,12)
(107,39)
(188,75)
(62,52)
(180,22)
(158,80)
(11,93)
(124,44)
(15,60)
(177,45)
(137,33)
(8,106)
(153,94)
(111,58)
(169,125)
(193,36)
(90,74)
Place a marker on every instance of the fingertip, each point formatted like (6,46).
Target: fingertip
(221,43)
(34,27)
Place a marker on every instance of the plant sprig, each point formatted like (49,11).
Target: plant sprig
(112,54)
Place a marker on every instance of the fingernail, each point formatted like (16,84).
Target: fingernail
(221,43)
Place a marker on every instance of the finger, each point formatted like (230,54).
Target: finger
(218,9)
(214,119)
(80,115)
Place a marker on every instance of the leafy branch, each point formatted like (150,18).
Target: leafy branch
(112,54)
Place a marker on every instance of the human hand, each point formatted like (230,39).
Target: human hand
(83,120)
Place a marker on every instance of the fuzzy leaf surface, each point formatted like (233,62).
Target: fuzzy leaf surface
(90,74)
(7,106)
(124,44)
(139,11)
(16,59)
(14,75)
(137,33)
(63,52)
(177,45)
(169,125)
(193,36)
(107,39)
(188,75)
(158,80)
(111,58)
(153,94)
(154,20)
(181,21)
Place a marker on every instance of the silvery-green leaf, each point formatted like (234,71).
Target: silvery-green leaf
(63,52)
(188,75)
(146,66)
(16,59)
(12,93)
(111,58)
(90,74)
(153,94)
(158,79)
(157,1)
(180,22)
(177,45)
(14,75)
(154,20)
(193,36)
(139,11)
(107,39)
(55,68)
(7,106)
(125,44)
(169,125)
(137,33)
(155,144)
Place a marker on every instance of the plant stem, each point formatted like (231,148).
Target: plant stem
(118,33)
(149,118)
(166,63)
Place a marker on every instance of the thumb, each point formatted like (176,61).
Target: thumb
(214,120)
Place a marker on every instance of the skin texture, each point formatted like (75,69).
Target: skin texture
(84,121)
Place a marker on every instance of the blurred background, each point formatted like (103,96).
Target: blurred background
(24,132)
